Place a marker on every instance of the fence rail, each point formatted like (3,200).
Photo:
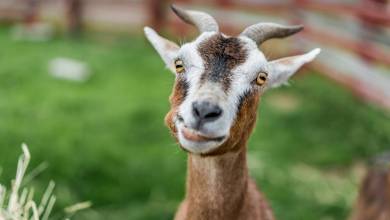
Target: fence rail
(354,35)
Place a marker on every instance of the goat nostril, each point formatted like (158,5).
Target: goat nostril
(206,111)
(195,110)
(211,115)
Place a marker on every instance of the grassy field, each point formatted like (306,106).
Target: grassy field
(105,140)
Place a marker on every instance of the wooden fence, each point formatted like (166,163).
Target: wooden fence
(354,34)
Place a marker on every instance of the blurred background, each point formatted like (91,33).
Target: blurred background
(80,84)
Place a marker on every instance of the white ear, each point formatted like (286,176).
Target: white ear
(279,71)
(167,49)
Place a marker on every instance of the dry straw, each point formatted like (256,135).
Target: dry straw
(18,204)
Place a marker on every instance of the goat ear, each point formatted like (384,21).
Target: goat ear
(167,49)
(279,71)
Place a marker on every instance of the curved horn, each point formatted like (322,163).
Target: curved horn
(204,22)
(264,31)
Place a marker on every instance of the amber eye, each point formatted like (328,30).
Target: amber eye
(261,78)
(179,65)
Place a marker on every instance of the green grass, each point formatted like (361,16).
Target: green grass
(105,140)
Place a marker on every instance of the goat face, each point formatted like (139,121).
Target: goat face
(218,83)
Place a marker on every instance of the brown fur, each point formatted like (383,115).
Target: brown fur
(177,97)
(374,197)
(218,185)
(220,55)
(219,188)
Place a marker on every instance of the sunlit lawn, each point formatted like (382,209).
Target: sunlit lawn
(105,140)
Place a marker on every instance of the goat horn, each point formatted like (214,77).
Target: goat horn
(264,31)
(204,22)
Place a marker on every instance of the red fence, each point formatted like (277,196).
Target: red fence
(354,35)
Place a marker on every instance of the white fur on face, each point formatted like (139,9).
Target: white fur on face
(242,78)
(242,81)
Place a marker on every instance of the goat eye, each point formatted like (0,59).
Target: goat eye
(261,78)
(179,65)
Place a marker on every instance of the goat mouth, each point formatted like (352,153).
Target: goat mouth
(194,136)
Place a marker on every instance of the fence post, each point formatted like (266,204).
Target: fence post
(374,196)
(31,14)
(74,12)
(157,13)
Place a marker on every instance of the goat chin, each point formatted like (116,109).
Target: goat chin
(373,202)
